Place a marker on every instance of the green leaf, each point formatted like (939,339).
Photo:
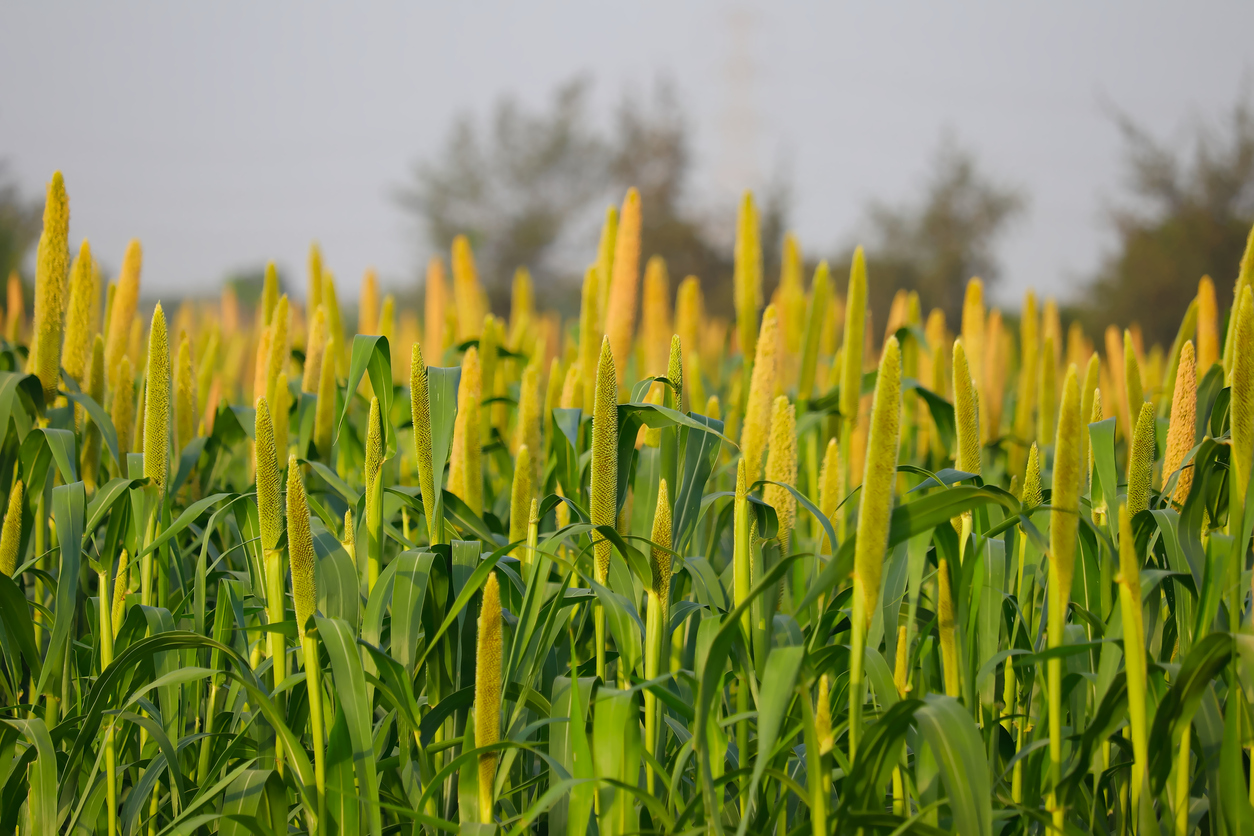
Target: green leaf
(1175,712)
(958,749)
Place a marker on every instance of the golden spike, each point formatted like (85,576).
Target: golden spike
(761,392)
(52,269)
(620,315)
(157,404)
(1182,431)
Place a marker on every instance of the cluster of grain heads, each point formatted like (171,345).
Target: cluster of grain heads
(801,632)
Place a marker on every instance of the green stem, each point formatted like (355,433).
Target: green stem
(106,659)
(275,611)
(313,681)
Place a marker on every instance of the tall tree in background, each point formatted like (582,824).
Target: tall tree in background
(936,245)
(530,189)
(1190,216)
(19,225)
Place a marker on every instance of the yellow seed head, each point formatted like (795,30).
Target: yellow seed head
(855,332)
(184,396)
(469,393)
(829,481)
(688,315)
(208,367)
(282,411)
(122,312)
(368,304)
(761,393)
(1048,391)
(1092,380)
(820,291)
(993,387)
(620,315)
(655,319)
(659,558)
(973,323)
(435,307)
(335,325)
(261,363)
(420,414)
(269,482)
(466,293)
(1207,325)
(52,268)
(878,477)
(280,345)
(520,501)
(157,403)
(14,309)
(300,548)
(572,388)
(589,333)
(781,466)
(1141,460)
(527,431)
(605,269)
(315,278)
(604,465)
(1133,384)
(78,321)
(315,348)
(1066,485)
(11,533)
(269,294)
(93,386)
(521,307)
(747,275)
(488,656)
(123,412)
(324,410)
(1182,431)
(1032,492)
(792,295)
(901,669)
(712,409)
(966,412)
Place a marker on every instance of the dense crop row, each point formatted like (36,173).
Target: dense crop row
(797,573)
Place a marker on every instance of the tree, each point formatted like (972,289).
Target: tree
(514,186)
(1189,216)
(936,245)
(532,192)
(19,225)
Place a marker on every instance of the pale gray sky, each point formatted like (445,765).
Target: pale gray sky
(224,134)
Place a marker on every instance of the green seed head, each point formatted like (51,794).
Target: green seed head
(855,332)
(660,558)
(1032,479)
(300,548)
(269,482)
(1065,496)
(121,586)
(604,466)
(1132,381)
(11,533)
(374,453)
(280,349)
(420,413)
(675,371)
(1141,460)
(820,292)
(1242,403)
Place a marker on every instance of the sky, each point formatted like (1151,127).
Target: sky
(223,135)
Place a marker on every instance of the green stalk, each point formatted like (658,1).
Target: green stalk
(106,659)
(656,620)
(1134,655)
(374,495)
